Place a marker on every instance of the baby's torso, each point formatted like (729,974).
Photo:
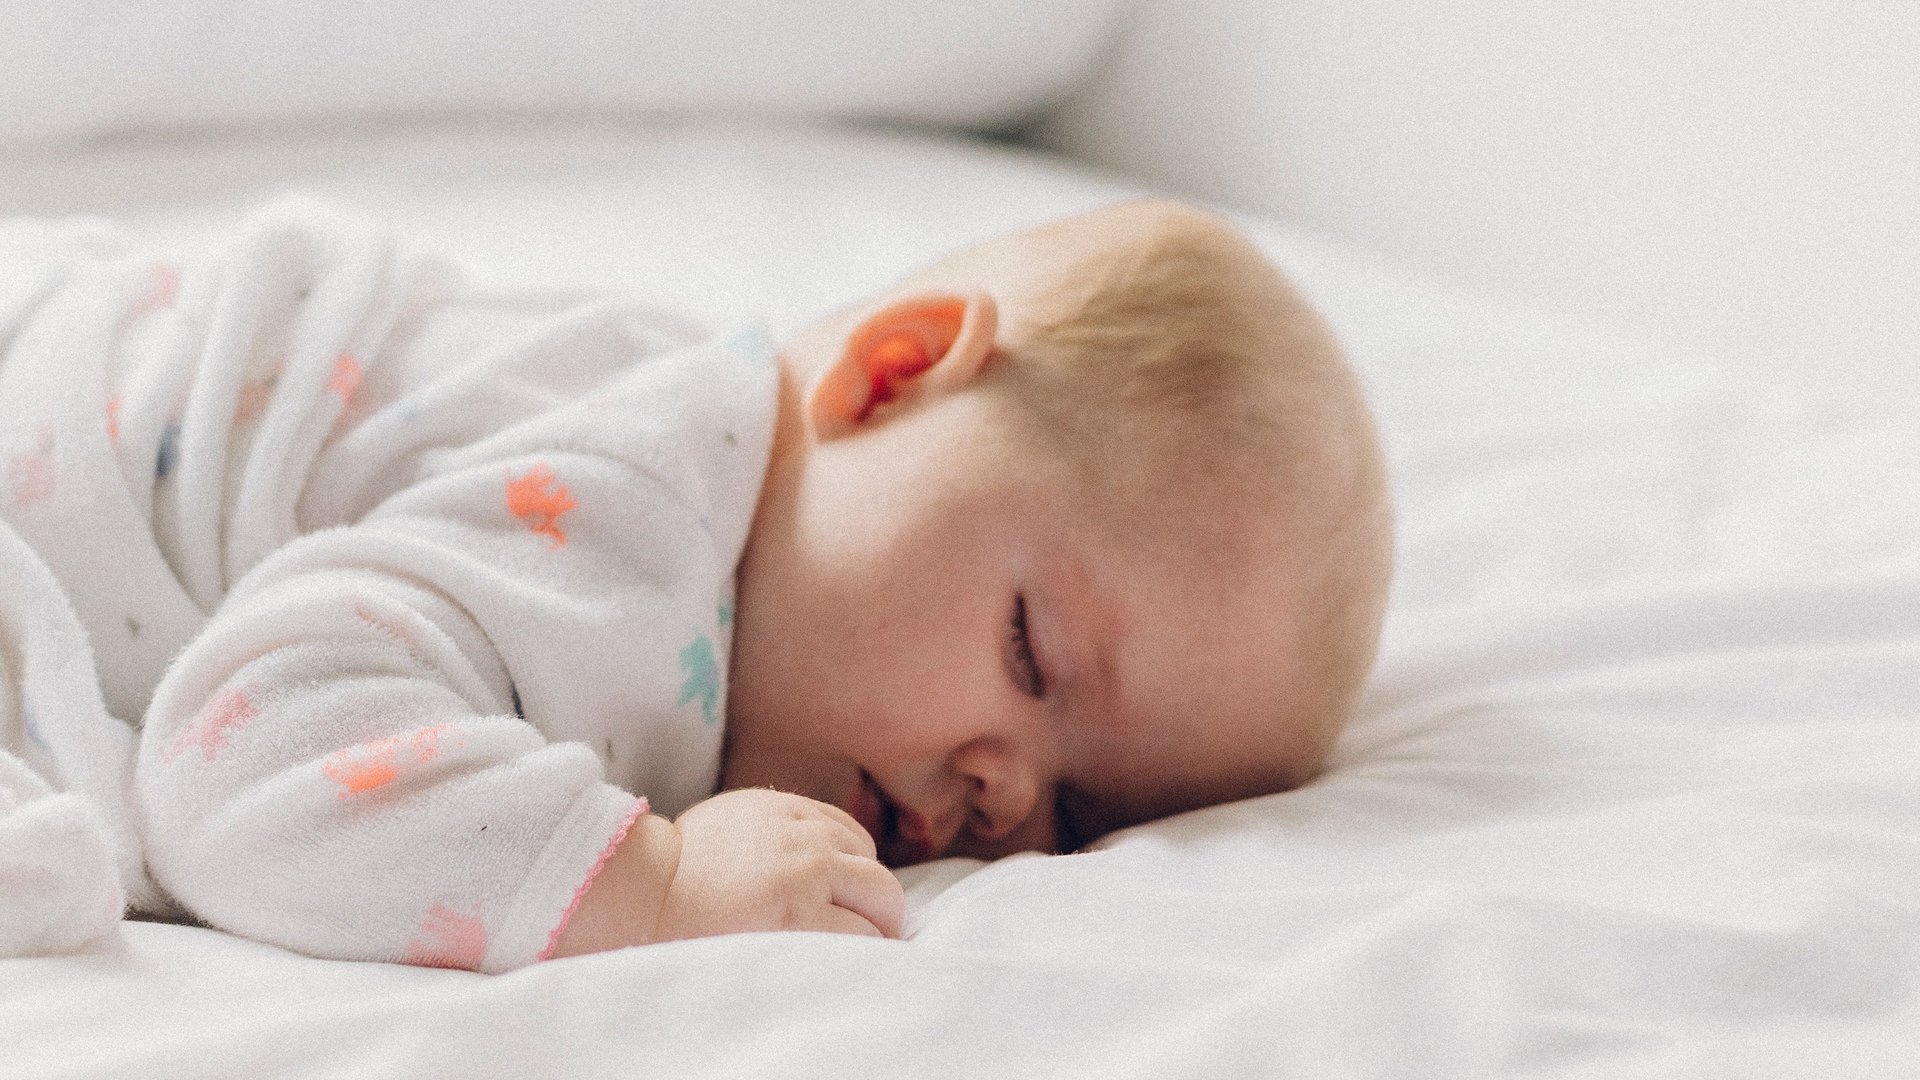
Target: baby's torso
(170,423)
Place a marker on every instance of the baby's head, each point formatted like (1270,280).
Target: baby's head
(1078,527)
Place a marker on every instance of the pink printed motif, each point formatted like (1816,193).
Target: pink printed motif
(161,293)
(536,499)
(31,473)
(346,377)
(113,419)
(345,384)
(208,730)
(449,939)
(373,765)
(255,395)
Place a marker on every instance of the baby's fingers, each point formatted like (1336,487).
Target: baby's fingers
(869,890)
(838,920)
(854,839)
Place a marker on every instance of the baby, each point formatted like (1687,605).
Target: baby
(445,615)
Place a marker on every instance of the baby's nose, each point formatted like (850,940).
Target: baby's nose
(985,840)
(1003,787)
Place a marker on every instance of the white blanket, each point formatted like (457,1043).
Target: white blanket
(1636,790)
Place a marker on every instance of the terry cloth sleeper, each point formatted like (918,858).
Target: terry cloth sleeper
(416,596)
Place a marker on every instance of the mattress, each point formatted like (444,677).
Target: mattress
(1635,790)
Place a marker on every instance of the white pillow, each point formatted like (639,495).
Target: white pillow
(75,68)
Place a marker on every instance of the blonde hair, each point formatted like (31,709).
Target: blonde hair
(1175,328)
(1175,352)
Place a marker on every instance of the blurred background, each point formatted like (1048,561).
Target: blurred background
(1742,175)
(1739,177)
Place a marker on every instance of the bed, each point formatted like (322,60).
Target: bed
(1634,791)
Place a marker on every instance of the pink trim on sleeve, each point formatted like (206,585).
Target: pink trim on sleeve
(553,940)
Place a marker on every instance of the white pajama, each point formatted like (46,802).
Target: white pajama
(416,596)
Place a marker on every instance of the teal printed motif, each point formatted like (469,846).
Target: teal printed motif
(27,721)
(725,614)
(702,682)
(750,341)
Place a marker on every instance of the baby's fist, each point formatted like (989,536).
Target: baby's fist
(765,860)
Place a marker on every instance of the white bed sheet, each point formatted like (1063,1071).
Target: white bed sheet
(1636,790)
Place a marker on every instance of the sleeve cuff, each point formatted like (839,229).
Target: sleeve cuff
(587,836)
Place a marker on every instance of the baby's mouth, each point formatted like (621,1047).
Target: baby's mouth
(898,831)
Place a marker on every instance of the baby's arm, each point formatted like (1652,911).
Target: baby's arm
(393,738)
(334,765)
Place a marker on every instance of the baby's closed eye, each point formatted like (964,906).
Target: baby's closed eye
(1025,666)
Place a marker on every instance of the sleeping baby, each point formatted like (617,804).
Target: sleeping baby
(351,609)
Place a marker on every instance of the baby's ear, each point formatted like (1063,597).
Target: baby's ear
(908,350)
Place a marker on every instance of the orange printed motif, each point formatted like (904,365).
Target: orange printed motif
(449,939)
(530,500)
(208,731)
(374,765)
(346,377)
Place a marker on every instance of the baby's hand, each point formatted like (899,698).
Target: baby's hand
(765,860)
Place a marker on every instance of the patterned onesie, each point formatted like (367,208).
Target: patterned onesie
(411,592)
